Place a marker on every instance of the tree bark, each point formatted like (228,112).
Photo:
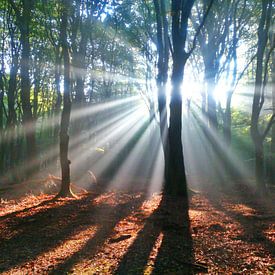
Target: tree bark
(28,120)
(177,183)
(58,102)
(272,149)
(66,112)
(258,98)
(210,75)
(162,76)
(228,119)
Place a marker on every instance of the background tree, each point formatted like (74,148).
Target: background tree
(263,47)
(66,112)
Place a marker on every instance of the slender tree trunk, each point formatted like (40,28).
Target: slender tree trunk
(12,117)
(228,119)
(11,122)
(58,102)
(37,79)
(66,112)
(258,98)
(210,76)
(1,111)
(227,115)
(272,160)
(2,145)
(259,164)
(203,102)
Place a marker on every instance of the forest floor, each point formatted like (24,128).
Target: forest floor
(129,233)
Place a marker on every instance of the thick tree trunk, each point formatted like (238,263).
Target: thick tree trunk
(66,112)
(28,121)
(176,184)
(163,58)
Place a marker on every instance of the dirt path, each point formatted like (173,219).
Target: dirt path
(120,233)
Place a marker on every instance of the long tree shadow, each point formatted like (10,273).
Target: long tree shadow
(48,229)
(107,222)
(166,233)
(30,235)
(27,209)
(253,225)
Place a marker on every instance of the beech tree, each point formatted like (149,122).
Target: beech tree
(272,147)
(66,112)
(264,50)
(175,177)
(162,75)
(23,12)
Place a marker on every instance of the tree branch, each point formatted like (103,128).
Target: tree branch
(199,28)
(243,71)
(15,8)
(170,46)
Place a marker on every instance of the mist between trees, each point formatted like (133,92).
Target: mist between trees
(140,94)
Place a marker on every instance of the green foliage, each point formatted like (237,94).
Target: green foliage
(241,140)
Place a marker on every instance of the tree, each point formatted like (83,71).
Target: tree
(175,178)
(213,42)
(162,75)
(258,137)
(176,183)
(66,112)
(272,149)
(240,16)
(23,19)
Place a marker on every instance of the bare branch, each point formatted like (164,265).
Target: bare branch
(170,46)
(199,28)
(243,71)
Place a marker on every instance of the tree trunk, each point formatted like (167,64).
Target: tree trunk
(58,102)
(2,144)
(259,165)
(1,111)
(228,119)
(66,112)
(28,121)
(210,75)
(177,184)
(11,121)
(258,98)
(203,102)
(272,149)
(163,58)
